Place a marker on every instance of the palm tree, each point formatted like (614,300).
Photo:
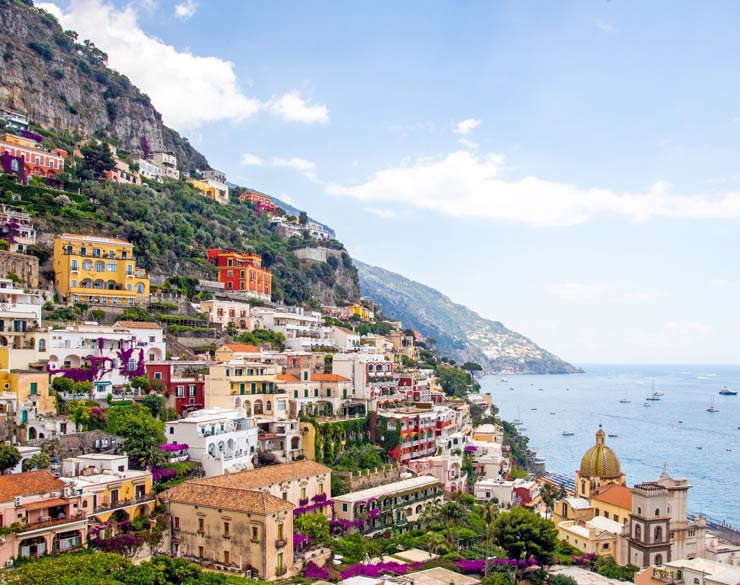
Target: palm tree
(431,516)
(488,514)
(550,493)
(454,512)
(151,457)
(435,541)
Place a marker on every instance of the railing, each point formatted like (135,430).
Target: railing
(280,543)
(52,522)
(281,571)
(124,503)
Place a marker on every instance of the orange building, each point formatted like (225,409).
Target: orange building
(242,272)
(258,200)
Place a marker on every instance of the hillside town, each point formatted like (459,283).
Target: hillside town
(277,442)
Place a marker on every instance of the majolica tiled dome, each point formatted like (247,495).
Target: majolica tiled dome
(600,460)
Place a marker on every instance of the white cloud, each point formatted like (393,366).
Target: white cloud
(466,126)
(186,10)
(187,89)
(252,160)
(467,184)
(468,143)
(382,213)
(613,293)
(292,107)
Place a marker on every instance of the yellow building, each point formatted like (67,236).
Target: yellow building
(93,269)
(213,191)
(29,389)
(598,536)
(363,313)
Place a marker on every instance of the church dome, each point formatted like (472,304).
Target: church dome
(600,460)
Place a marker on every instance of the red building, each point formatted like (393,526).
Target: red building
(184,381)
(37,160)
(418,435)
(241,272)
(259,201)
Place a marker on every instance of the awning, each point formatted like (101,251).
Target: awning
(45,504)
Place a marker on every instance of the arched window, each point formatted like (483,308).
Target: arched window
(87,265)
(638,532)
(140,289)
(14,166)
(639,511)
(268,406)
(583,487)
(42,344)
(659,560)
(658,533)
(99,266)
(657,511)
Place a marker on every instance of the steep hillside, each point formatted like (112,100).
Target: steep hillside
(63,83)
(460,332)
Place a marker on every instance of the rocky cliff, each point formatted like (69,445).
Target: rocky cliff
(459,332)
(63,83)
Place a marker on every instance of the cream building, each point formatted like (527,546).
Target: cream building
(598,536)
(233,527)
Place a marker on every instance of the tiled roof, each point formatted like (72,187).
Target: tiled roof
(287,378)
(328,378)
(264,476)
(617,495)
(138,325)
(226,498)
(243,347)
(28,484)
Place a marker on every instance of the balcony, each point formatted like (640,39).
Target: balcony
(280,543)
(51,522)
(281,571)
(105,507)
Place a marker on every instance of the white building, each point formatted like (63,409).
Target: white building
(224,312)
(695,572)
(345,339)
(15,225)
(108,356)
(223,441)
(217,180)
(371,375)
(149,170)
(303,330)
(499,492)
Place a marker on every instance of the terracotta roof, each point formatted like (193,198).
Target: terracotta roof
(28,484)
(328,378)
(617,495)
(264,476)
(138,325)
(43,504)
(226,498)
(243,347)
(287,378)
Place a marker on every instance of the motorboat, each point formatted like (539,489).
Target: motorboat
(727,392)
(504,379)
(613,435)
(568,433)
(646,404)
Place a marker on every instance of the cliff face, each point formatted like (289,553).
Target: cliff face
(460,333)
(64,84)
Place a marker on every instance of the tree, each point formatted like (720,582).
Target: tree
(550,493)
(138,427)
(315,526)
(472,367)
(9,457)
(63,385)
(153,403)
(436,542)
(151,456)
(36,462)
(97,160)
(524,535)
(488,514)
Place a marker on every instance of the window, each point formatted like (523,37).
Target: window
(658,533)
(140,288)
(201,552)
(344,507)
(99,266)
(657,511)
(201,525)
(73,284)
(74,265)
(191,390)
(132,364)
(285,495)
(227,557)
(87,265)
(638,532)
(226,529)
(157,375)
(34,388)
(280,531)
(255,534)
(176,522)
(303,494)
(112,266)
(279,563)
(659,560)
(180,391)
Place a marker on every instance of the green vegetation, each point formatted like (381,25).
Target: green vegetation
(263,336)
(9,457)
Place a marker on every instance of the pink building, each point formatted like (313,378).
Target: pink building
(446,468)
(45,514)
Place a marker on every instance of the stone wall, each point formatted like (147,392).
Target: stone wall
(366,478)
(23,266)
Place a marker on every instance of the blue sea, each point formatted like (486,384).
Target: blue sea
(677,430)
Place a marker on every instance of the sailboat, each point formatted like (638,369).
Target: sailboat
(624,400)
(654,396)
(712,408)
(517,422)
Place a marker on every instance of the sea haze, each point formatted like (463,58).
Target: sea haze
(704,448)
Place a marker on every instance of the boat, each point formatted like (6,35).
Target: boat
(517,422)
(646,404)
(625,400)
(700,447)
(613,435)
(728,392)
(535,408)
(553,413)
(654,394)
(653,398)
(540,389)
(522,428)
(712,408)
(568,433)
(504,379)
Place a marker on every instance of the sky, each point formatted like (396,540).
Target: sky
(568,168)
